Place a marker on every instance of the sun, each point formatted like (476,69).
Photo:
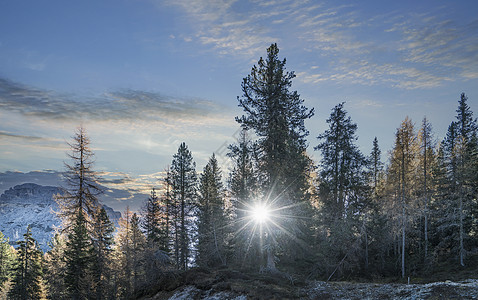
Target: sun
(260,213)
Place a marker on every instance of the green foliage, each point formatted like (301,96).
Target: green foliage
(212,223)
(343,191)
(243,187)
(102,240)
(130,254)
(6,259)
(28,272)
(79,259)
(184,197)
(55,268)
(152,220)
(277,116)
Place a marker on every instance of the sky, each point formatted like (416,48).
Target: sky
(142,76)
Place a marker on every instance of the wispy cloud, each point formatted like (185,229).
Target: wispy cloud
(4,134)
(404,50)
(111,106)
(415,51)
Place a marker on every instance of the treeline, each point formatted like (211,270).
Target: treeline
(349,215)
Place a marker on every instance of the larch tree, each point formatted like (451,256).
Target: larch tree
(82,189)
(184,192)
(277,116)
(123,256)
(78,206)
(377,234)
(212,223)
(427,157)
(402,178)
(138,244)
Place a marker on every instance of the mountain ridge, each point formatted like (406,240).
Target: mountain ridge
(33,204)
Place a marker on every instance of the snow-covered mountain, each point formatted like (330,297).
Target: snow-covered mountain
(33,204)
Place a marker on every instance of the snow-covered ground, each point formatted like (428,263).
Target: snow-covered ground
(467,289)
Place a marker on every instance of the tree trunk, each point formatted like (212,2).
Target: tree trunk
(460,212)
(366,251)
(403,242)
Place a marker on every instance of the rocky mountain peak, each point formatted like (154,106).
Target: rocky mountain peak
(34,205)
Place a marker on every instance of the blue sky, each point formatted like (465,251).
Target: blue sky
(143,76)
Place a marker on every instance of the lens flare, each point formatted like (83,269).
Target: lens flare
(260,213)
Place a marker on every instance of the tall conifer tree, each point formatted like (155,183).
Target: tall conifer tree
(277,116)
(343,189)
(103,240)
(427,157)
(211,216)
(152,220)
(184,184)
(6,259)
(28,275)
(78,206)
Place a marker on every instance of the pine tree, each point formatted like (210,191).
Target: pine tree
(243,187)
(342,165)
(28,278)
(6,259)
(78,260)
(55,268)
(459,150)
(165,216)
(103,240)
(374,225)
(183,181)
(152,220)
(277,116)
(343,189)
(243,177)
(376,164)
(211,217)
(443,229)
(155,223)
(464,151)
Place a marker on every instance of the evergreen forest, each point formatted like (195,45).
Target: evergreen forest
(409,211)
